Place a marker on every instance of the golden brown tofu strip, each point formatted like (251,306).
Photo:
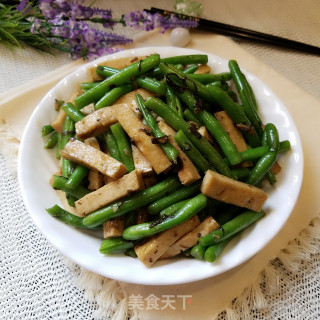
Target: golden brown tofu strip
(131,101)
(222,188)
(58,122)
(141,163)
(110,192)
(276,168)
(188,172)
(95,177)
(191,238)
(233,132)
(95,123)
(139,133)
(116,63)
(203,68)
(206,134)
(92,158)
(114,227)
(153,249)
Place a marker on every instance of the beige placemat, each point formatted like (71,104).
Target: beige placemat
(208,297)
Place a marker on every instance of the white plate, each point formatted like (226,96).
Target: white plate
(36,165)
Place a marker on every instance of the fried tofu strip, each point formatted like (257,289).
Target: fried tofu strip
(153,249)
(110,192)
(92,158)
(188,172)
(141,163)
(222,188)
(203,68)
(206,134)
(114,227)
(115,63)
(58,122)
(138,132)
(95,123)
(191,238)
(232,131)
(131,101)
(95,177)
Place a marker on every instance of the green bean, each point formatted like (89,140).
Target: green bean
(143,81)
(221,136)
(265,163)
(130,253)
(198,251)
(131,219)
(173,101)
(240,173)
(124,145)
(187,59)
(113,95)
(137,200)
(271,177)
(52,140)
(77,176)
(180,194)
(177,78)
(173,208)
(226,213)
(115,245)
(71,200)
(215,128)
(171,152)
(255,153)
(60,183)
(68,132)
(85,86)
(112,146)
(245,96)
(106,71)
(46,129)
(191,151)
(67,217)
(222,85)
(232,227)
(75,114)
(191,208)
(152,85)
(214,251)
(262,167)
(122,77)
(234,110)
(272,137)
(191,69)
(190,116)
(206,78)
(58,155)
(178,123)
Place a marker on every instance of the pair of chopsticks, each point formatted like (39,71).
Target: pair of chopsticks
(242,33)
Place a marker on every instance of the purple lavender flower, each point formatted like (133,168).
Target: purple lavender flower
(67,25)
(22,5)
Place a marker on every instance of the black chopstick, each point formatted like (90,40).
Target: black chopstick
(242,33)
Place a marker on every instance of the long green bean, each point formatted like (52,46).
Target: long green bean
(178,123)
(122,77)
(191,208)
(124,145)
(138,200)
(171,152)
